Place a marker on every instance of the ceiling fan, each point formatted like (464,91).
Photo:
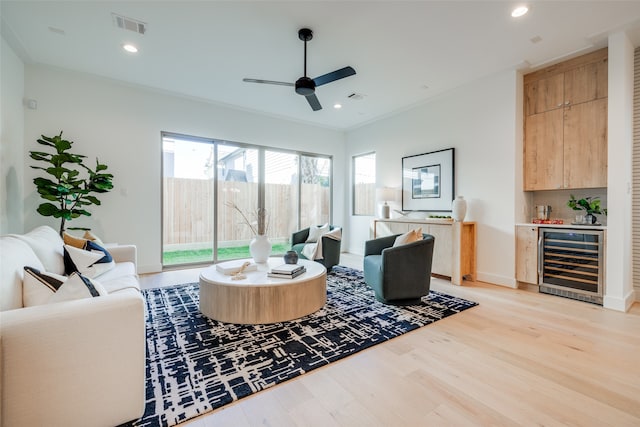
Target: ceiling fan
(306,86)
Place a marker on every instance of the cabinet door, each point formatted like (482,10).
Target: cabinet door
(442,250)
(399,227)
(527,254)
(544,95)
(543,151)
(586,83)
(585,145)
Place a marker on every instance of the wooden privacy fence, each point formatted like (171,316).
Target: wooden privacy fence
(188,214)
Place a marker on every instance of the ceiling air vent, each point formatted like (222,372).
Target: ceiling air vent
(129,23)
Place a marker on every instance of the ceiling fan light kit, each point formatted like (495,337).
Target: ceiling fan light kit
(306,86)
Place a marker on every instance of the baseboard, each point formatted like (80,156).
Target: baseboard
(356,251)
(619,304)
(152,268)
(495,279)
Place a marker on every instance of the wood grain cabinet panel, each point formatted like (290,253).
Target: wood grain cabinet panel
(585,145)
(565,126)
(527,254)
(586,83)
(543,151)
(544,95)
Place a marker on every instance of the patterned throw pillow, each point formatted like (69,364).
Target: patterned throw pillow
(92,260)
(408,237)
(38,287)
(77,286)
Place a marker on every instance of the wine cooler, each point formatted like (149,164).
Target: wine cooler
(571,263)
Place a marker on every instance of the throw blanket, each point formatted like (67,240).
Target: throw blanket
(314,250)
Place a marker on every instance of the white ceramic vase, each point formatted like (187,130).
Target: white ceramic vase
(458,209)
(260,248)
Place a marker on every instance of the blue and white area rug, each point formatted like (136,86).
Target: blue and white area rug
(195,364)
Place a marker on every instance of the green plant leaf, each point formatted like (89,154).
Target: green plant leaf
(47,209)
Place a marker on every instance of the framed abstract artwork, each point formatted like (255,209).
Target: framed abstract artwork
(427,181)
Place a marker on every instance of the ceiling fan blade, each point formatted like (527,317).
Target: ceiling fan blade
(333,76)
(313,101)
(270,82)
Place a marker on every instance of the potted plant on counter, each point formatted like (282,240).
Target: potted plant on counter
(590,205)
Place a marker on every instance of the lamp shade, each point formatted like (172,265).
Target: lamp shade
(386,194)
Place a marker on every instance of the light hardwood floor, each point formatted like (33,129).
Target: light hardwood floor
(519,358)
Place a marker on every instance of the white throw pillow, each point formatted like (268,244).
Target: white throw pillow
(38,287)
(77,286)
(408,237)
(91,261)
(315,232)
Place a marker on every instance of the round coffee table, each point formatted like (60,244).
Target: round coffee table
(262,299)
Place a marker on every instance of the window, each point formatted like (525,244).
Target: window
(201,177)
(364,184)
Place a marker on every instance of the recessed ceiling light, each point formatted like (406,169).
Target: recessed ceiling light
(519,11)
(337,106)
(130,48)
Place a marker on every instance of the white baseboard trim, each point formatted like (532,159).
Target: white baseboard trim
(619,304)
(152,268)
(356,251)
(495,279)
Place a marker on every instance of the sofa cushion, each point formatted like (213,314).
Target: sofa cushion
(92,260)
(14,255)
(47,245)
(38,286)
(77,286)
(120,284)
(122,276)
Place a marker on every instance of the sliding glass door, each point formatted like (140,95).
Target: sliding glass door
(187,200)
(281,198)
(315,192)
(238,194)
(212,190)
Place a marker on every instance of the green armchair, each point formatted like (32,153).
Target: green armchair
(398,275)
(330,247)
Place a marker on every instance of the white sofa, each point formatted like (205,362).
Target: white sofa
(72,363)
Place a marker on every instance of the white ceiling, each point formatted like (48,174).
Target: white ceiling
(403,52)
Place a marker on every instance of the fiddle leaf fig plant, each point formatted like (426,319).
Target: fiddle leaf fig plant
(69,184)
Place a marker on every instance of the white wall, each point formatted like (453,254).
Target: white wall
(121,125)
(11,140)
(480,120)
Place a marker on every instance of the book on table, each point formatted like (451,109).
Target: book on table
(287,269)
(286,275)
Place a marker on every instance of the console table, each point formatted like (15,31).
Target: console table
(454,253)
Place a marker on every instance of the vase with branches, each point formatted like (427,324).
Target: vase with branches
(260,246)
(66,191)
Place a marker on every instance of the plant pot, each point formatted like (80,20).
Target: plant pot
(291,257)
(590,219)
(260,248)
